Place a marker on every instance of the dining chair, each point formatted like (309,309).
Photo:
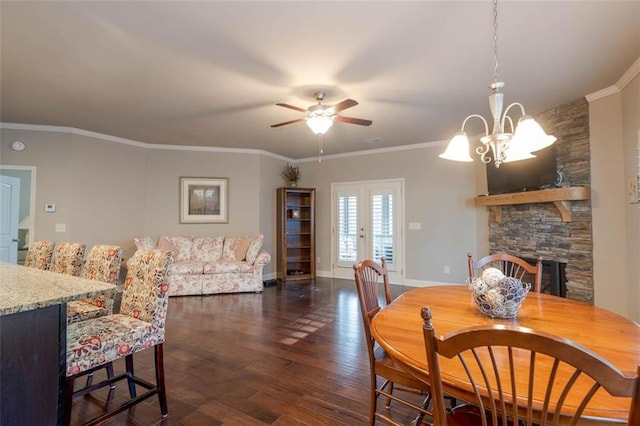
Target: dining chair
(368,275)
(139,325)
(39,255)
(511,266)
(571,374)
(103,264)
(67,258)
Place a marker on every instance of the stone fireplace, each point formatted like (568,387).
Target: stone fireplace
(558,231)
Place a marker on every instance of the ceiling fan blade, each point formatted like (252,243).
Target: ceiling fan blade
(297,120)
(342,105)
(352,120)
(295,108)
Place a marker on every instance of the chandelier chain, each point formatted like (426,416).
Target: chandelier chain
(495,39)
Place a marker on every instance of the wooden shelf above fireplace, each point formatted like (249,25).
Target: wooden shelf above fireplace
(560,197)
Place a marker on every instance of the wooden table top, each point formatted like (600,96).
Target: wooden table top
(398,329)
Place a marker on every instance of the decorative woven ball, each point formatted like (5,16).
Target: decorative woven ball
(492,276)
(503,299)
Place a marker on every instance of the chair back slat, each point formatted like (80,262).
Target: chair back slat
(561,379)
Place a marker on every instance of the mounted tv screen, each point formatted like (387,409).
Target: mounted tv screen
(525,175)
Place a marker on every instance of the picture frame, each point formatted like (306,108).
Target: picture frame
(204,200)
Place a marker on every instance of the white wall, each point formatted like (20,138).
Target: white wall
(614,123)
(438,194)
(108,193)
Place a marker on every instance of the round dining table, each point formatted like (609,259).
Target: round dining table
(398,329)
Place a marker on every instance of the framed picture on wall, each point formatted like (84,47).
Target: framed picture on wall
(204,200)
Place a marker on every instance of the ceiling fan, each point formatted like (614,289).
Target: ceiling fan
(320,117)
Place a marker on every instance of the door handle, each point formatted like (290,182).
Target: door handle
(15,240)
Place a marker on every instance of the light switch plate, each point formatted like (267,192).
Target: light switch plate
(415,225)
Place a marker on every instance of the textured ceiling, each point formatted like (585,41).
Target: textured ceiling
(210,73)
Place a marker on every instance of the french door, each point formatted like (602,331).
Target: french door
(367,224)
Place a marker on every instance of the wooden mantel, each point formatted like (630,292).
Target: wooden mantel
(561,197)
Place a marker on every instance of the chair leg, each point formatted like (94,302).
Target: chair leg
(388,404)
(109,368)
(373,399)
(128,361)
(162,395)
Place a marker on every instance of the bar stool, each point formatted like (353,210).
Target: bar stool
(39,255)
(140,325)
(67,258)
(103,264)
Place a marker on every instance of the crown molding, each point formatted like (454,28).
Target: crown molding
(124,141)
(622,82)
(116,139)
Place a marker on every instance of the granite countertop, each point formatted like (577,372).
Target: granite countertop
(25,289)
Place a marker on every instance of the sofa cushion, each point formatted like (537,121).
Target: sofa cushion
(235,248)
(179,246)
(227,267)
(207,249)
(191,267)
(254,248)
(145,243)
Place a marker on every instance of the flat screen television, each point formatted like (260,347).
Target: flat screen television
(525,175)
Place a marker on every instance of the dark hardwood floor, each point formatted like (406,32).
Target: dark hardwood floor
(293,355)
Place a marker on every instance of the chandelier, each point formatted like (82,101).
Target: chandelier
(500,145)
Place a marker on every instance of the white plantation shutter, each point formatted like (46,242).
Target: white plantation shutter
(382,227)
(347,228)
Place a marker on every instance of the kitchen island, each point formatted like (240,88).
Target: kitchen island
(33,327)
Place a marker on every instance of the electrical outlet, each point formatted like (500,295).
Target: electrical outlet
(318,260)
(61,227)
(447,270)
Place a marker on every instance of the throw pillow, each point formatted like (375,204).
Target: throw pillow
(145,243)
(166,245)
(183,246)
(235,248)
(254,248)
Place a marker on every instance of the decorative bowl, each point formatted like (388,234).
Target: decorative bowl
(499,298)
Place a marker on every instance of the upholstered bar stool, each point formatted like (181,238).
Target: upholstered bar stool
(140,325)
(39,255)
(67,258)
(103,264)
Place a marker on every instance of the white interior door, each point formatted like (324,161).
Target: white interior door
(367,224)
(9,211)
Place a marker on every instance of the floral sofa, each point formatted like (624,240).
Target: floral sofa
(212,265)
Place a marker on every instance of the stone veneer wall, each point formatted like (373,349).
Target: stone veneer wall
(530,230)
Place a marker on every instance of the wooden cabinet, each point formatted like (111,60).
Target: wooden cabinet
(296,254)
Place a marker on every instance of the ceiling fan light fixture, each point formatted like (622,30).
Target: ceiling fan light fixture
(320,124)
